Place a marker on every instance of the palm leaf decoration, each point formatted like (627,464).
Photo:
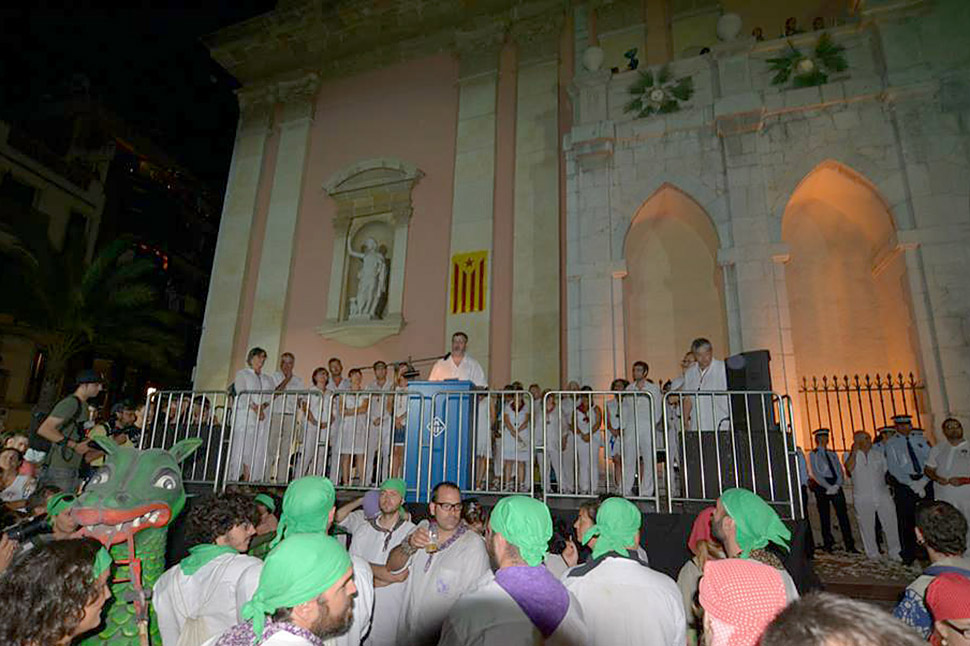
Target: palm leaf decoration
(808,71)
(659,94)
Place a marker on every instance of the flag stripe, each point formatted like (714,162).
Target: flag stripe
(481,285)
(454,288)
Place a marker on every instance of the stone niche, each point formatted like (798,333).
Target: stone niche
(364,301)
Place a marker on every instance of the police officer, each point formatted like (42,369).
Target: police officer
(906,455)
(827,478)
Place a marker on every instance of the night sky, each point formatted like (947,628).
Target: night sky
(145,63)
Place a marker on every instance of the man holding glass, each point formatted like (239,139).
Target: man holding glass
(446,558)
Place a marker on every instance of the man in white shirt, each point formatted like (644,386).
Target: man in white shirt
(624,602)
(381,422)
(646,414)
(446,559)
(305,596)
(337,380)
(522,603)
(871,498)
(203,594)
(458,365)
(283,419)
(949,467)
(713,413)
(372,540)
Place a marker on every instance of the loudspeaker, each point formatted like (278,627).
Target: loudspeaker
(749,371)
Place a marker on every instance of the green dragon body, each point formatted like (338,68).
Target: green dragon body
(131,500)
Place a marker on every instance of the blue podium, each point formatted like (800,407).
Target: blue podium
(438,444)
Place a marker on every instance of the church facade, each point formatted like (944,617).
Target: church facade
(580,185)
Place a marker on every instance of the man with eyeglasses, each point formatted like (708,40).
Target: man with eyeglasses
(446,559)
(949,467)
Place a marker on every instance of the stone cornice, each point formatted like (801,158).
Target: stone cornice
(350,36)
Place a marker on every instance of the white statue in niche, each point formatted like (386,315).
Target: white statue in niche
(371,280)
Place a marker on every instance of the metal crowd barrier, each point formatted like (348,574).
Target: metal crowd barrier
(601,442)
(732,439)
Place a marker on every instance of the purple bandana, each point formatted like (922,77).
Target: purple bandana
(243,635)
(543,599)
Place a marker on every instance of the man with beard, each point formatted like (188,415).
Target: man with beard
(522,603)
(306,590)
(373,540)
(749,528)
(446,559)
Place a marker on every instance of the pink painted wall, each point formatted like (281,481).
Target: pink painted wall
(410,112)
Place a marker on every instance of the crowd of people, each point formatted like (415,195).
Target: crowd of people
(370,572)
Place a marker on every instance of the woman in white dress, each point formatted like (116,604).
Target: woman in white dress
(515,441)
(15,487)
(320,415)
(588,420)
(400,413)
(247,450)
(622,442)
(558,445)
(353,429)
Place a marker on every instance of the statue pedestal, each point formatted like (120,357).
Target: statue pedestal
(361,332)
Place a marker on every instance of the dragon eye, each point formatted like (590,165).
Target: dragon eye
(100,477)
(166,481)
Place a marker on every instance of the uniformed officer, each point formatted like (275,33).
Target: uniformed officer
(827,478)
(906,455)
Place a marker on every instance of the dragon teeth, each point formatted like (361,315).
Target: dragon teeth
(136,522)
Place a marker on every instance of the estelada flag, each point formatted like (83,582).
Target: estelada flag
(469,280)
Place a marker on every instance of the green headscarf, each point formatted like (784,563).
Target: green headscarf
(58,503)
(102,561)
(757,523)
(199,555)
(617,523)
(526,523)
(299,569)
(395,484)
(306,507)
(266,501)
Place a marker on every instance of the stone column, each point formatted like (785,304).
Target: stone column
(789,369)
(535,288)
(213,368)
(474,183)
(272,287)
(619,324)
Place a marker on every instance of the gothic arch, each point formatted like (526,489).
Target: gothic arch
(673,291)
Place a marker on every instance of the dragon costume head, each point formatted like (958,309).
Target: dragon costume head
(134,491)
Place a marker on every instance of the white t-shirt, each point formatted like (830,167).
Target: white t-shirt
(435,583)
(713,410)
(643,404)
(951,462)
(869,475)
(20,489)
(289,402)
(216,591)
(467,370)
(363,606)
(246,380)
(627,603)
(489,616)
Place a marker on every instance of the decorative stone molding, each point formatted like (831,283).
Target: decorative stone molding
(256,105)
(373,201)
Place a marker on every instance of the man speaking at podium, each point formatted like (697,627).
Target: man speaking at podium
(458,365)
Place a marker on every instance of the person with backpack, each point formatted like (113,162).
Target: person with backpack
(61,434)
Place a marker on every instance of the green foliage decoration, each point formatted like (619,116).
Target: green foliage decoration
(658,94)
(808,70)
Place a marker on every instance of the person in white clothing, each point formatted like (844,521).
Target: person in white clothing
(705,412)
(458,365)
(372,540)
(15,487)
(247,448)
(871,498)
(558,446)
(305,596)
(949,467)
(283,420)
(379,436)
(587,420)
(516,452)
(522,604)
(202,595)
(446,559)
(354,429)
(624,602)
(320,409)
(337,380)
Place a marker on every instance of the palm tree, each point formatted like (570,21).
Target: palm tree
(108,306)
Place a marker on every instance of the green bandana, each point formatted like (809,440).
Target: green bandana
(58,503)
(266,501)
(199,555)
(757,523)
(526,523)
(617,523)
(102,561)
(395,484)
(299,569)
(306,507)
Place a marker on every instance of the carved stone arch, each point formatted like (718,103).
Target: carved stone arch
(374,200)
